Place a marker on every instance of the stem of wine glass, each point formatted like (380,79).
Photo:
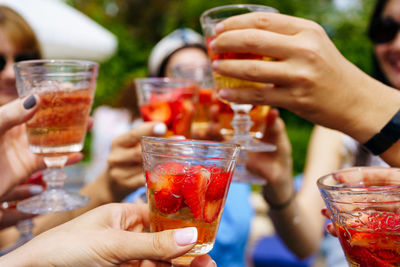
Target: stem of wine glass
(55,175)
(241,123)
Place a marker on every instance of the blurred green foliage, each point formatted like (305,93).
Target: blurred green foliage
(139,24)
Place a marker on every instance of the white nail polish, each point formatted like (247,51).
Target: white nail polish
(35,189)
(160,129)
(185,236)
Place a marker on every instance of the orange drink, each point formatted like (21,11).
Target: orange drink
(187,184)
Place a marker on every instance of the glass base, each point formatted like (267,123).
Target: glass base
(252,145)
(242,175)
(197,250)
(53,200)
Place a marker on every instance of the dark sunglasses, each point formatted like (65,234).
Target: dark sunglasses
(18,57)
(383,30)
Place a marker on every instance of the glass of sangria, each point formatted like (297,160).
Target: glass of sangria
(187,184)
(241,122)
(202,74)
(168,100)
(364,206)
(58,128)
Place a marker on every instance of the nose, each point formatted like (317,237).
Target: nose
(8,73)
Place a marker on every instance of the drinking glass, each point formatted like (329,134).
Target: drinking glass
(202,74)
(241,122)
(364,206)
(58,128)
(168,100)
(187,184)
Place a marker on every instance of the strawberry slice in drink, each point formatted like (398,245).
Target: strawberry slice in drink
(212,208)
(160,111)
(183,112)
(218,185)
(166,181)
(194,189)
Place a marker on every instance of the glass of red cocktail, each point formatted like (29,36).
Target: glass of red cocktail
(364,206)
(187,184)
(58,128)
(168,100)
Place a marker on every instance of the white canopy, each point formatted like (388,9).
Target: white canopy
(63,31)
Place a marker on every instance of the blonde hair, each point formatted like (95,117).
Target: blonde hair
(18,30)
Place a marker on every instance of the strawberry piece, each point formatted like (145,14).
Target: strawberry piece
(166,202)
(218,185)
(166,180)
(157,112)
(206,96)
(183,115)
(194,188)
(212,209)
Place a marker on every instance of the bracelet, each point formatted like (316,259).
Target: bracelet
(283,205)
(383,140)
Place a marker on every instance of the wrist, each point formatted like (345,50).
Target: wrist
(99,190)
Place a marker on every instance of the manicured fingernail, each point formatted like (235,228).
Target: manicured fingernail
(215,64)
(185,236)
(223,93)
(30,102)
(219,28)
(160,129)
(35,189)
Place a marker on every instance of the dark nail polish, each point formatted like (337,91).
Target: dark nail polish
(30,102)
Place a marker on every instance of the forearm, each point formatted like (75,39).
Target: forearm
(99,193)
(299,230)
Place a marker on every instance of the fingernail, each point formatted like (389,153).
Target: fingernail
(212,44)
(219,28)
(214,263)
(185,236)
(215,64)
(30,102)
(35,189)
(223,93)
(160,129)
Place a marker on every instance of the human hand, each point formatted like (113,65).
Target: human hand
(124,172)
(330,227)
(17,162)
(9,215)
(276,166)
(109,235)
(307,75)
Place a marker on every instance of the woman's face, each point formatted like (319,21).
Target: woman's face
(188,55)
(8,90)
(388,54)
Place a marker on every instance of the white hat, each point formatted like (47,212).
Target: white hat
(174,41)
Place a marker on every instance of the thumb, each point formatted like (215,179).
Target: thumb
(163,245)
(17,112)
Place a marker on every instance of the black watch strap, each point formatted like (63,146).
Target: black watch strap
(386,137)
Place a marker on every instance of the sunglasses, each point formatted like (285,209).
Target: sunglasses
(18,57)
(383,30)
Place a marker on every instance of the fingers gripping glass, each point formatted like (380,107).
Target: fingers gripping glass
(383,30)
(18,58)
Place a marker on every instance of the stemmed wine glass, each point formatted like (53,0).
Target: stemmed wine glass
(241,122)
(58,128)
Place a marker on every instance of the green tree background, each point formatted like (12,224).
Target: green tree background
(139,24)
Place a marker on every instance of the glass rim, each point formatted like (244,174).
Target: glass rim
(191,143)
(36,62)
(211,10)
(358,189)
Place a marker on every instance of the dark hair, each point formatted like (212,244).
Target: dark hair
(376,16)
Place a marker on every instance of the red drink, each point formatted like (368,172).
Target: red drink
(371,240)
(59,125)
(176,109)
(187,195)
